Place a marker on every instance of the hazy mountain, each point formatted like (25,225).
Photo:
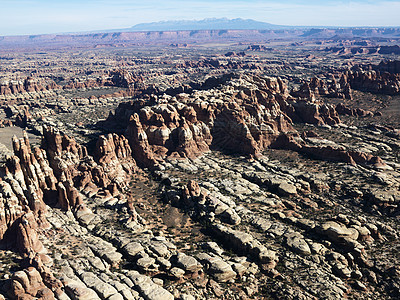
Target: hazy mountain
(206,24)
(209,24)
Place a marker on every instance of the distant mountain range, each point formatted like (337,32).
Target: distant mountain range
(192,32)
(214,24)
(206,24)
(223,24)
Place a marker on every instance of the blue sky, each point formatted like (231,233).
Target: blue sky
(54,16)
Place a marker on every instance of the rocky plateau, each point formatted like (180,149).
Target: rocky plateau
(262,170)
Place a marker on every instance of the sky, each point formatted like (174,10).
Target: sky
(20,17)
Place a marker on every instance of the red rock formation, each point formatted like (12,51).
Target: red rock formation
(10,208)
(28,243)
(30,176)
(68,196)
(122,78)
(48,278)
(190,140)
(31,87)
(232,134)
(295,143)
(27,85)
(28,284)
(63,153)
(391,66)
(5,123)
(74,169)
(383,78)
(141,150)
(59,167)
(112,147)
(358,112)
(375,82)
(314,113)
(114,156)
(22,212)
(57,171)
(319,88)
(36,281)
(247,121)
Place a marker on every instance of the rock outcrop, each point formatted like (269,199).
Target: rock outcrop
(327,152)
(331,88)
(28,85)
(237,114)
(374,81)
(383,78)
(37,87)
(28,284)
(57,174)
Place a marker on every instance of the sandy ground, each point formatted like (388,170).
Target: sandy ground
(7,133)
